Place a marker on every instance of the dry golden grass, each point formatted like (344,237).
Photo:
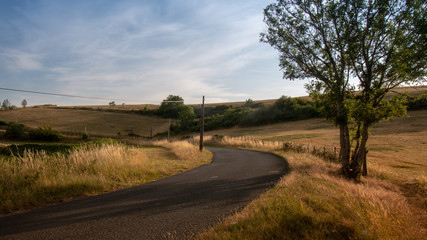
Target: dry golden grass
(126,107)
(37,178)
(315,202)
(396,146)
(95,122)
(390,204)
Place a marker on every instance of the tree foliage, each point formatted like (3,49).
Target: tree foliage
(6,104)
(172,106)
(381,44)
(24,103)
(283,109)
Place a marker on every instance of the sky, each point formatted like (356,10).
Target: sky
(138,52)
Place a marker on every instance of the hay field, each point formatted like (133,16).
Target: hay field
(95,122)
(121,107)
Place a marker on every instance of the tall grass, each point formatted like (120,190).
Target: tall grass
(182,149)
(37,178)
(243,142)
(315,202)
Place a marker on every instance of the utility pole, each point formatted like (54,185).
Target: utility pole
(169,127)
(169,130)
(202,123)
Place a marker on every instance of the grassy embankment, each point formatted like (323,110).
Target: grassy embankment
(37,178)
(314,202)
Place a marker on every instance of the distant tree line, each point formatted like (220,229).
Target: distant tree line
(227,116)
(250,114)
(7,105)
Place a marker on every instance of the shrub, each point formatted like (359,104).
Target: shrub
(85,136)
(284,109)
(48,148)
(419,102)
(14,131)
(45,133)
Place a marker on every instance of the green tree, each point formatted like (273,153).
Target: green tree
(333,42)
(6,104)
(24,103)
(186,120)
(171,106)
(312,38)
(390,50)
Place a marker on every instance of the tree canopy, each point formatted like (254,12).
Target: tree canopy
(340,46)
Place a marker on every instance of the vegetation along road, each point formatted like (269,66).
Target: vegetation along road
(177,207)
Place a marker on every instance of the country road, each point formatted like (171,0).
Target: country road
(178,207)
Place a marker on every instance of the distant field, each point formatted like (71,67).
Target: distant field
(412,91)
(95,122)
(398,144)
(125,107)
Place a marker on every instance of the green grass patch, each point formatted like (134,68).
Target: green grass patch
(385,148)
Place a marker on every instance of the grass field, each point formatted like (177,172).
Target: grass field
(315,202)
(95,122)
(38,178)
(397,145)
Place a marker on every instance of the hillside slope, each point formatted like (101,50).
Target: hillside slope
(95,122)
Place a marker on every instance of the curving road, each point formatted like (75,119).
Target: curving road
(177,207)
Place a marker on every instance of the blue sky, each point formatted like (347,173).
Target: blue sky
(140,50)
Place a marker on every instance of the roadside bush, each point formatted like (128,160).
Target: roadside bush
(417,103)
(48,148)
(15,131)
(45,133)
(85,136)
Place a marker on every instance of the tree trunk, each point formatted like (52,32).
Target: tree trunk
(365,166)
(359,158)
(345,149)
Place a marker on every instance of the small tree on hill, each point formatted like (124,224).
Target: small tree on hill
(6,104)
(24,103)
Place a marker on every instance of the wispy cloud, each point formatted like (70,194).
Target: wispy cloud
(144,50)
(17,60)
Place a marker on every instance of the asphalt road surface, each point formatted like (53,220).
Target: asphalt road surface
(178,207)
